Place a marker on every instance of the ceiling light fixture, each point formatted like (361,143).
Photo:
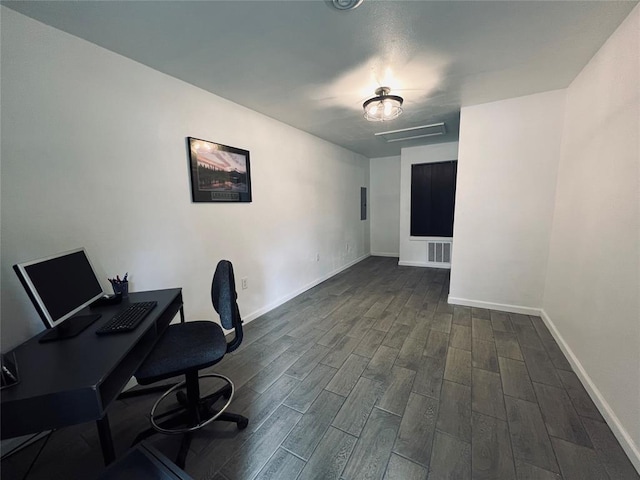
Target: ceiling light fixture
(383,107)
(347,4)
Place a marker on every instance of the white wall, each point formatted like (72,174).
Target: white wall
(507,167)
(593,288)
(94,155)
(384,202)
(413,251)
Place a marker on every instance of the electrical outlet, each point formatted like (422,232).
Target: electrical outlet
(245,283)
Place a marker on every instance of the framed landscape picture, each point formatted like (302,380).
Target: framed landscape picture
(219,173)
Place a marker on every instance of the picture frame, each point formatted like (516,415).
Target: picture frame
(219,173)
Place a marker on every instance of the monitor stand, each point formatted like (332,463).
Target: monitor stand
(69,328)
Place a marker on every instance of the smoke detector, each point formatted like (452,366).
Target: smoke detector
(346,4)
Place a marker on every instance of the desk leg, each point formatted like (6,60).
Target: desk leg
(182,313)
(106,442)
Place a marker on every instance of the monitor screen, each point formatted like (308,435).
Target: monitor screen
(60,285)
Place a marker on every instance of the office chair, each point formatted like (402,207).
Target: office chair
(185,349)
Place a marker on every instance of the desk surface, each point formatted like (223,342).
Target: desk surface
(74,380)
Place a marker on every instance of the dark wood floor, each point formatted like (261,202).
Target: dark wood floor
(372,375)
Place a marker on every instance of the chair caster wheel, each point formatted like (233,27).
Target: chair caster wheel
(243,424)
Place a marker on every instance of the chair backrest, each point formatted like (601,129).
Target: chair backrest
(224,298)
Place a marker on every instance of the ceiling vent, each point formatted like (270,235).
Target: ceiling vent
(414,132)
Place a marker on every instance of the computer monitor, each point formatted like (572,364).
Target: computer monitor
(60,286)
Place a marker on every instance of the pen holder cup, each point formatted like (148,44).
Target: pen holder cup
(121,288)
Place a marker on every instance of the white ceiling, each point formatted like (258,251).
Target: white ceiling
(312,66)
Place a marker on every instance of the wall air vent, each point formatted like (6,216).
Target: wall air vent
(413,132)
(439,252)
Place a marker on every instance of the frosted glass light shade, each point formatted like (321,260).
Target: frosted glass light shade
(383,107)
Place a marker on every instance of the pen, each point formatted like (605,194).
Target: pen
(117,280)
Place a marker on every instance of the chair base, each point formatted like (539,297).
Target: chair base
(226,392)
(193,411)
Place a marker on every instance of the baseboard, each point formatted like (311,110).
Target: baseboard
(424,264)
(261,311)
(628,445)
(494,306)
(384,254)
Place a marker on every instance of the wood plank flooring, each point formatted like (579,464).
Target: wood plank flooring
(372,375)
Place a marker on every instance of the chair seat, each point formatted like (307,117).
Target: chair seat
(183,347)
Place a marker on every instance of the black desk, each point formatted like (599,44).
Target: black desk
(75,380)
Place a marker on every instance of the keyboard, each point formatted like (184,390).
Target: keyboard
(127,319)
